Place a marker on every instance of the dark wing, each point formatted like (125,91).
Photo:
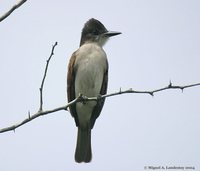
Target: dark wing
(71,87)
(97,110)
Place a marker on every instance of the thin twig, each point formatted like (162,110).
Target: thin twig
(170,86)
(36,115)
(12,9)
(45,74)
(84,98)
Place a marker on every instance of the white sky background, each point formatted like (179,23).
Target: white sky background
(160,42)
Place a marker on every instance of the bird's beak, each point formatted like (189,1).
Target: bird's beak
(111,33)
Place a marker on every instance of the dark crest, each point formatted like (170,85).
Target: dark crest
(91,29)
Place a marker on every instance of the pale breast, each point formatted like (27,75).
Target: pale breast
(91,64)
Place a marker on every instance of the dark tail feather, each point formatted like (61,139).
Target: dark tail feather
(83,147)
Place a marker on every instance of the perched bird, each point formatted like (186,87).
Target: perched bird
(88,75)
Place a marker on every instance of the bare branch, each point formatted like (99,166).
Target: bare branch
(12,9)
(45,74)
(170,86)
(42,113)
(82,98)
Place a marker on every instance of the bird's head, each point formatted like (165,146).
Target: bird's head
(95,31)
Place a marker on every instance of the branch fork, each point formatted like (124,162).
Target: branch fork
(82,98)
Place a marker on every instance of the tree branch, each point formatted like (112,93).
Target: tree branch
(36,115)
(4,16)
(170,86)
(45,74)
(82,98)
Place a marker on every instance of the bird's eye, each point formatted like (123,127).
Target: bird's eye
(95,32)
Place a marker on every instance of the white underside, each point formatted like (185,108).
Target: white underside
(91,63)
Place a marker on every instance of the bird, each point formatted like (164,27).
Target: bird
(88,75)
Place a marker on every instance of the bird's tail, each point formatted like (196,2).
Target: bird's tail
(83,147)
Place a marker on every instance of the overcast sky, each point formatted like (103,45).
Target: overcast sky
(159,42)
